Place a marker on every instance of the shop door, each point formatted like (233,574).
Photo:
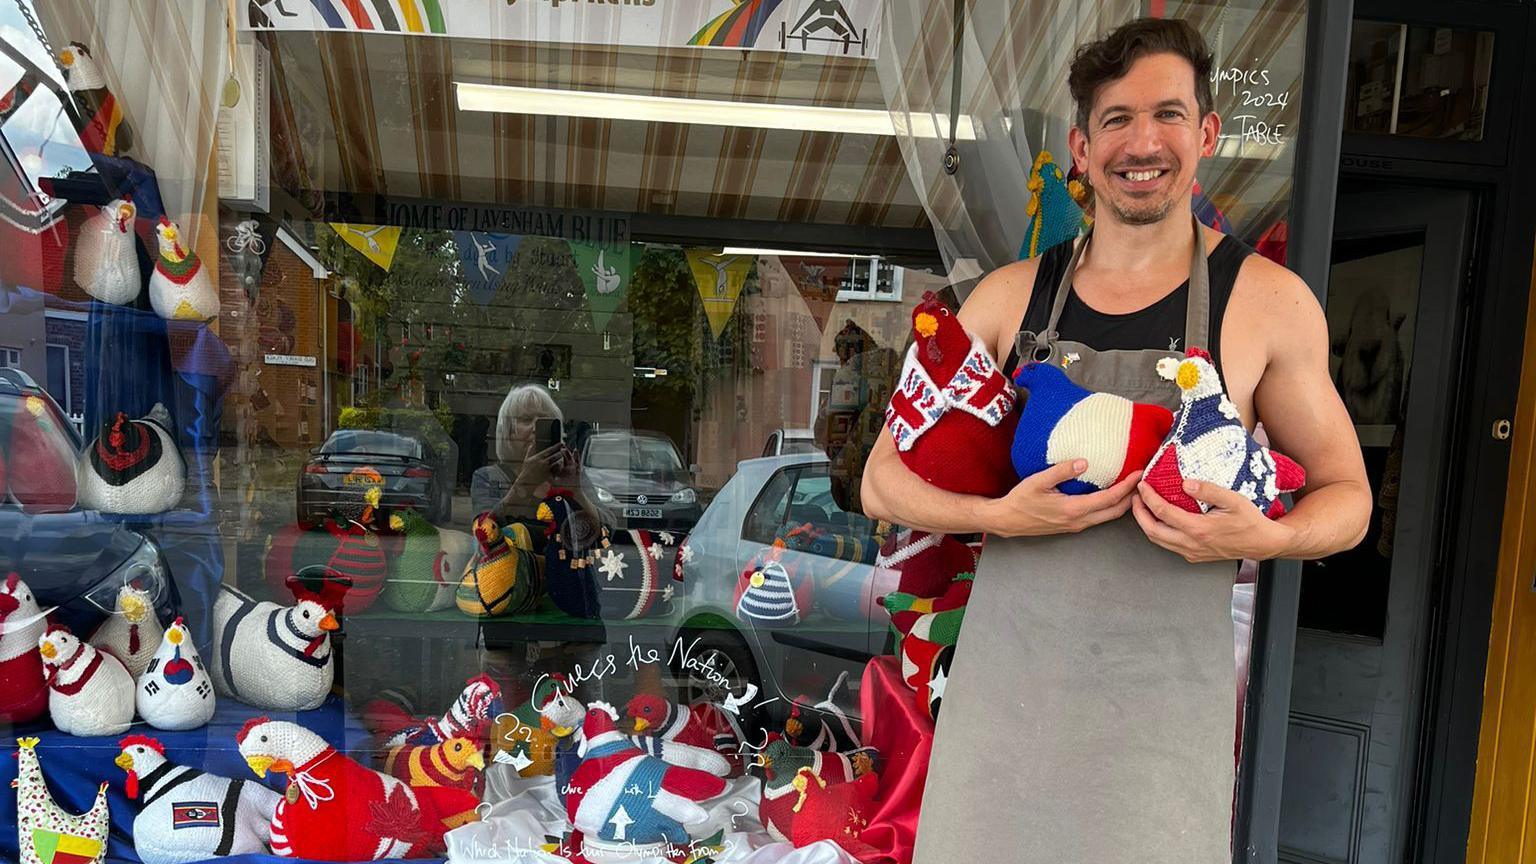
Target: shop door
(1394,301)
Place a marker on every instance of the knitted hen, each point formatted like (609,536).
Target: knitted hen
(1210,443)
(336,809)
(1061,421)
(181,288)
(952,415)
(23,689)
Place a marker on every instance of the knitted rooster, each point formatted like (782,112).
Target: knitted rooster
(1061,422)
(92,694)
(455,763)
(336,809)
(421,574)
(23,689)
(107,254)
(132,632)
(470,716)
(271,656)
(133,466)
(1210,443)
(101,125)
(789,772)
(502,578)
(47,833)
(621,798)
(189,815)
(180,288)
(701,724)
(952,414)
(175,692)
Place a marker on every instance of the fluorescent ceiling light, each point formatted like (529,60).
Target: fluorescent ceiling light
(748,250)
(507,99)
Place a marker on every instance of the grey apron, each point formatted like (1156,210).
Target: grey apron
(1088,715)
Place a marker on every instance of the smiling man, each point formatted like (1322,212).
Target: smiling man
(1089,709)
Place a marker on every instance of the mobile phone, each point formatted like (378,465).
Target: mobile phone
(546,433)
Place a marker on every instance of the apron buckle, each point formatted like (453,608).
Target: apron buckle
(1032,347)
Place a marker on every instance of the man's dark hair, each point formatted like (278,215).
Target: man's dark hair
(1108,59)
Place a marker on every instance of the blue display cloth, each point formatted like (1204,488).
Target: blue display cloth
(75,767)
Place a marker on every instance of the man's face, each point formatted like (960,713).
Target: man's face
(1144,141)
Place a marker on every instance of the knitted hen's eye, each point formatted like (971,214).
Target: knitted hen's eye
(306,613)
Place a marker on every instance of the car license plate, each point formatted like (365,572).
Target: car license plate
(642,512)
(354,480)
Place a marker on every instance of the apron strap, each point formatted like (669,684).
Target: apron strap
(1041,347)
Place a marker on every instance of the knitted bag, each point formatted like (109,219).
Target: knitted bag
(952,415)
(1209,442)
(133,466)
(35,438)
(1061,422)
(503,577)
(771,593)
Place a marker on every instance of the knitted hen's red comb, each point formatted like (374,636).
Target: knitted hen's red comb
(145,740)
(249,725)
(1198,352)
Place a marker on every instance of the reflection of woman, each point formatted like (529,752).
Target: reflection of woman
(523,473)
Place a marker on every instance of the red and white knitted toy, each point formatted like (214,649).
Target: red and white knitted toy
(271,656)
(90,691)
(133,466)
(336,809)
(471,716)
(132,632)
(1209,442)
(175,691)
(789,772)
(925,563)
(701,724)
(189,815)
(23,689)
(952,416)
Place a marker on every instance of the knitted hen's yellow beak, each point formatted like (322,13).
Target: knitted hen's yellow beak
(476,760)
(642,724)
(1189,375)
(544,513)
(48,651)
(260,764)
(925,324)
(123,761)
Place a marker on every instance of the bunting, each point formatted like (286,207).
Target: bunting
(377,242)
(605,271)
(720,279)
(484,260)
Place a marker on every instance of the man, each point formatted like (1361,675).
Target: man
(1088,715)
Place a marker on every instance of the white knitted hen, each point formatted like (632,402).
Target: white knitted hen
(107,254)
(175,691)
(270,656)
(91,693)
(189,815)
(132,632)
(181,287)
(133,466)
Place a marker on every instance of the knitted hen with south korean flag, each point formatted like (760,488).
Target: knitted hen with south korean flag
(1210,443)
(952,415)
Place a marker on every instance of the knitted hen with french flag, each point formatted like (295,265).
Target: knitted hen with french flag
(952,415)
(1210,443)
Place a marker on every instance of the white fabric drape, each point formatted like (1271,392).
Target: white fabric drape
(165,60)
(1013,99)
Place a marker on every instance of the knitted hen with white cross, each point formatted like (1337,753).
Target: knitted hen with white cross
(952,415)
(1210,443)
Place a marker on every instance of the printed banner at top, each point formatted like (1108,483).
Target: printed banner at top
(841,27)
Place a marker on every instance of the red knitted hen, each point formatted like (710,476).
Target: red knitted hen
(952,414)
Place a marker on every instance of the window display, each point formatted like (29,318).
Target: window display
(457,442)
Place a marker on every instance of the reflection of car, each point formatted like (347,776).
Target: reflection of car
(844,628)
(340,472)
(787,442)
(75,561)
(637,480)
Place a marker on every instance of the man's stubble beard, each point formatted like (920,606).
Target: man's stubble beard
(1149,215)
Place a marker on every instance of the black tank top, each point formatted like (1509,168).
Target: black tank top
(1158,327)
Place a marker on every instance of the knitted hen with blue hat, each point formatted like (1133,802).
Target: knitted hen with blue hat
(1209,443)
(1061,422)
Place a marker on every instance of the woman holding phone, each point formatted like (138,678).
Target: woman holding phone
(531,457)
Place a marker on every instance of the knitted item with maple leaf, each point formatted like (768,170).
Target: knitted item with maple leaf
(952,415)
(1209,443)
(336,809)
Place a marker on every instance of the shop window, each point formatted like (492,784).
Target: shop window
(870,279)
(1418,81)
(10,358)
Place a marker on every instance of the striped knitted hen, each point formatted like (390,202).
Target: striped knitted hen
(1061,422)
(1210,443)
(952,414)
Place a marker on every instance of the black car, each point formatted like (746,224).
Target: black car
(408,474)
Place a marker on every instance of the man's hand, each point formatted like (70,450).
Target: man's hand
(1233,529)
(1036,507)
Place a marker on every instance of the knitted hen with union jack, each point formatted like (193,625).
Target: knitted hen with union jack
(952,416)
(1210,443)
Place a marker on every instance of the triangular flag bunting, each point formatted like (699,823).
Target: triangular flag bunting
(605,270)
(377,242)
(483,261)
(720,279)
(818,279)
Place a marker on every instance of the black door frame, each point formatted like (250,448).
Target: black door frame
(1498,287)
